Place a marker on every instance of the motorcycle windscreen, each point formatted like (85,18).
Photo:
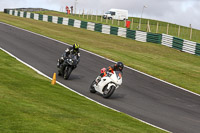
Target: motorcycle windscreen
(74,59)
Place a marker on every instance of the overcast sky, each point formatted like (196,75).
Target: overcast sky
(182,12)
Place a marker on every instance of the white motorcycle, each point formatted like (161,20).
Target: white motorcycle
(108,84)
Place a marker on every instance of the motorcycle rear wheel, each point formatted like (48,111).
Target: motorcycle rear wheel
(92,90)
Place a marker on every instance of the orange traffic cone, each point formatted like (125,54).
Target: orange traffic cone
(53,82)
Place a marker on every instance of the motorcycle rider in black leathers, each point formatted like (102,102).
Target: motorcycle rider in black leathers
(116,67)
(72,50)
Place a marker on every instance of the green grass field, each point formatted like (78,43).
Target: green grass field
(29,103)
(173,28)
(168,64)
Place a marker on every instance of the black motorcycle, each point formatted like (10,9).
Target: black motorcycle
(67,66)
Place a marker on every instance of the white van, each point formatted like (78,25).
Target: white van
(118,14)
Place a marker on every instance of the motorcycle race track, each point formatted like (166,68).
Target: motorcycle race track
(140,96)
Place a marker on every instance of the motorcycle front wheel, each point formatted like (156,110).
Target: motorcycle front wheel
(67,72)
(108,91)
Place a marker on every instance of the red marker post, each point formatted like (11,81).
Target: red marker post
(128,23)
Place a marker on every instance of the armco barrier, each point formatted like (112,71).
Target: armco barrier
(113,30)
(45,18)
(163,39)
(65,21)
(121,32)
(83,24)
(189,46)
(177,43)
(54,19)
(18,14)
(141,36)
(197,51)
(13,13)
(130,34)
(154,38)
(60,20)
(106,29)
(77,23)
(36,16)
(6,11)
(9,11)
(40,17)
(22,14)
(98,27)
(90,26)
(28,15)
(32,15)
(71,22)
(167,40)
(25,13)
(49,18)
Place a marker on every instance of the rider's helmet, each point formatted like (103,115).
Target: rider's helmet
(76,47)
(120,66)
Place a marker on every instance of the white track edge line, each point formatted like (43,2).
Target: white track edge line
(39,72)
(107,59)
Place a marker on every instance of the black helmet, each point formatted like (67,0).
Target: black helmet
(76,46)
(120,66)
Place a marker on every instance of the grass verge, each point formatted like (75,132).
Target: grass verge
(29,103)
(168,64)
(173,29)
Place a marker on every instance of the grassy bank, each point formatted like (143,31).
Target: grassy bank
(29,103)
(162,26)
(177,67)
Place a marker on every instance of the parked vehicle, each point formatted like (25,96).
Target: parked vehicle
(118,14)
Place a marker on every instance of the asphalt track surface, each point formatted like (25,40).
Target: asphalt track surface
(140,96)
